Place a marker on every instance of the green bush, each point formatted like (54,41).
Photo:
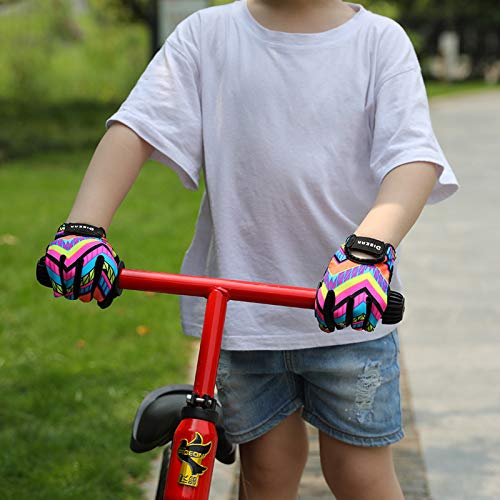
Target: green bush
(63,75)
(54,55)
(38,126)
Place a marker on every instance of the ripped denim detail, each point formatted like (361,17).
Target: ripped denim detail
(366,387)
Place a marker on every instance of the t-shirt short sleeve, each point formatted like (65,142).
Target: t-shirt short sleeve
(402,128)
(164,109)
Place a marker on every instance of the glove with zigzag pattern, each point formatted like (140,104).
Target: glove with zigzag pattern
(354,289)
(82,264)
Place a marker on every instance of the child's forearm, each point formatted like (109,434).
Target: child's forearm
(401,199)
(113,169)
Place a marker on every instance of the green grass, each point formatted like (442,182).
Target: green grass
(437,89)
(72,375)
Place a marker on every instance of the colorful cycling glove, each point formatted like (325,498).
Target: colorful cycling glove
(82,265)
(354,290)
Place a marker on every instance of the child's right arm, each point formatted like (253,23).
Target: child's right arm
(112,171)
(80,262)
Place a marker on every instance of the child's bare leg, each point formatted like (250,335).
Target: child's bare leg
(357,473)
(272,464)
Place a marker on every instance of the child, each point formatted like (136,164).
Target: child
(310,122)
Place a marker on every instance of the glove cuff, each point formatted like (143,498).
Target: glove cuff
(80,229)
(376,249)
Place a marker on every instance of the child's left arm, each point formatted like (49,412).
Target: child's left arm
(400,201)
(355,285)
(408,165)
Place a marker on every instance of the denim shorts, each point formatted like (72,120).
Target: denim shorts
(349,392)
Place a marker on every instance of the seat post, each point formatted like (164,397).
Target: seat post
(211,339)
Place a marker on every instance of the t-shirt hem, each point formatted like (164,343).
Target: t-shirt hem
(277,342)
(170,156)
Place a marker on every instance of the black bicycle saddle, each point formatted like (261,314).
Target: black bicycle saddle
(159,415)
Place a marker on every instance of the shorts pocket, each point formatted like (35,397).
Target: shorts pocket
(395,338)
(224,368)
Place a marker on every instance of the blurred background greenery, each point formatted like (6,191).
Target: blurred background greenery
(71,375)
(80,58)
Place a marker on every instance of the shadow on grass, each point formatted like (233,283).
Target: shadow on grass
(34,127)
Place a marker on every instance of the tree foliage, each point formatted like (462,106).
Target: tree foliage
(453,13)
(477,22)
(483,12)
(125,10)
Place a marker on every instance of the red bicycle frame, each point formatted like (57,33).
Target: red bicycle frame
(195,439)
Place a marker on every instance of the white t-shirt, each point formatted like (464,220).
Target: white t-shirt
(294,134)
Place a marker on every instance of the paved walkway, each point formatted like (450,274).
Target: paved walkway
(451,372)
(451,338)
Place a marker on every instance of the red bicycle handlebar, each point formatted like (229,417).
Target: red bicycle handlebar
(245,291)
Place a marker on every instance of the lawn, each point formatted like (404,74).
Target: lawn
(436,89)
(72,375)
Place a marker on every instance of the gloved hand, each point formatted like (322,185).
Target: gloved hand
(354,289)
(82,265)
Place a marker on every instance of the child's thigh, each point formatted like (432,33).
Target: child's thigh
(351,392)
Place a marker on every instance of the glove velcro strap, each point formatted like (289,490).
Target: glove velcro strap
(80,229)
(376,249)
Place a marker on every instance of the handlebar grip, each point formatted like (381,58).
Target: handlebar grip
(395,308)
(42,274)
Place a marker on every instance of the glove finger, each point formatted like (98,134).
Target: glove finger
(70,278)
(323,308)
(96,292)
(108,275)
(328,311)
(87,281)
(77,278)
(115,290)
(56,264)
(342,314)
(370,320)
(52,267)
(359,312)
(321,323)
(378,308)
(62,274)
(42,275)
(107,287)
(103,304)
(319,306)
